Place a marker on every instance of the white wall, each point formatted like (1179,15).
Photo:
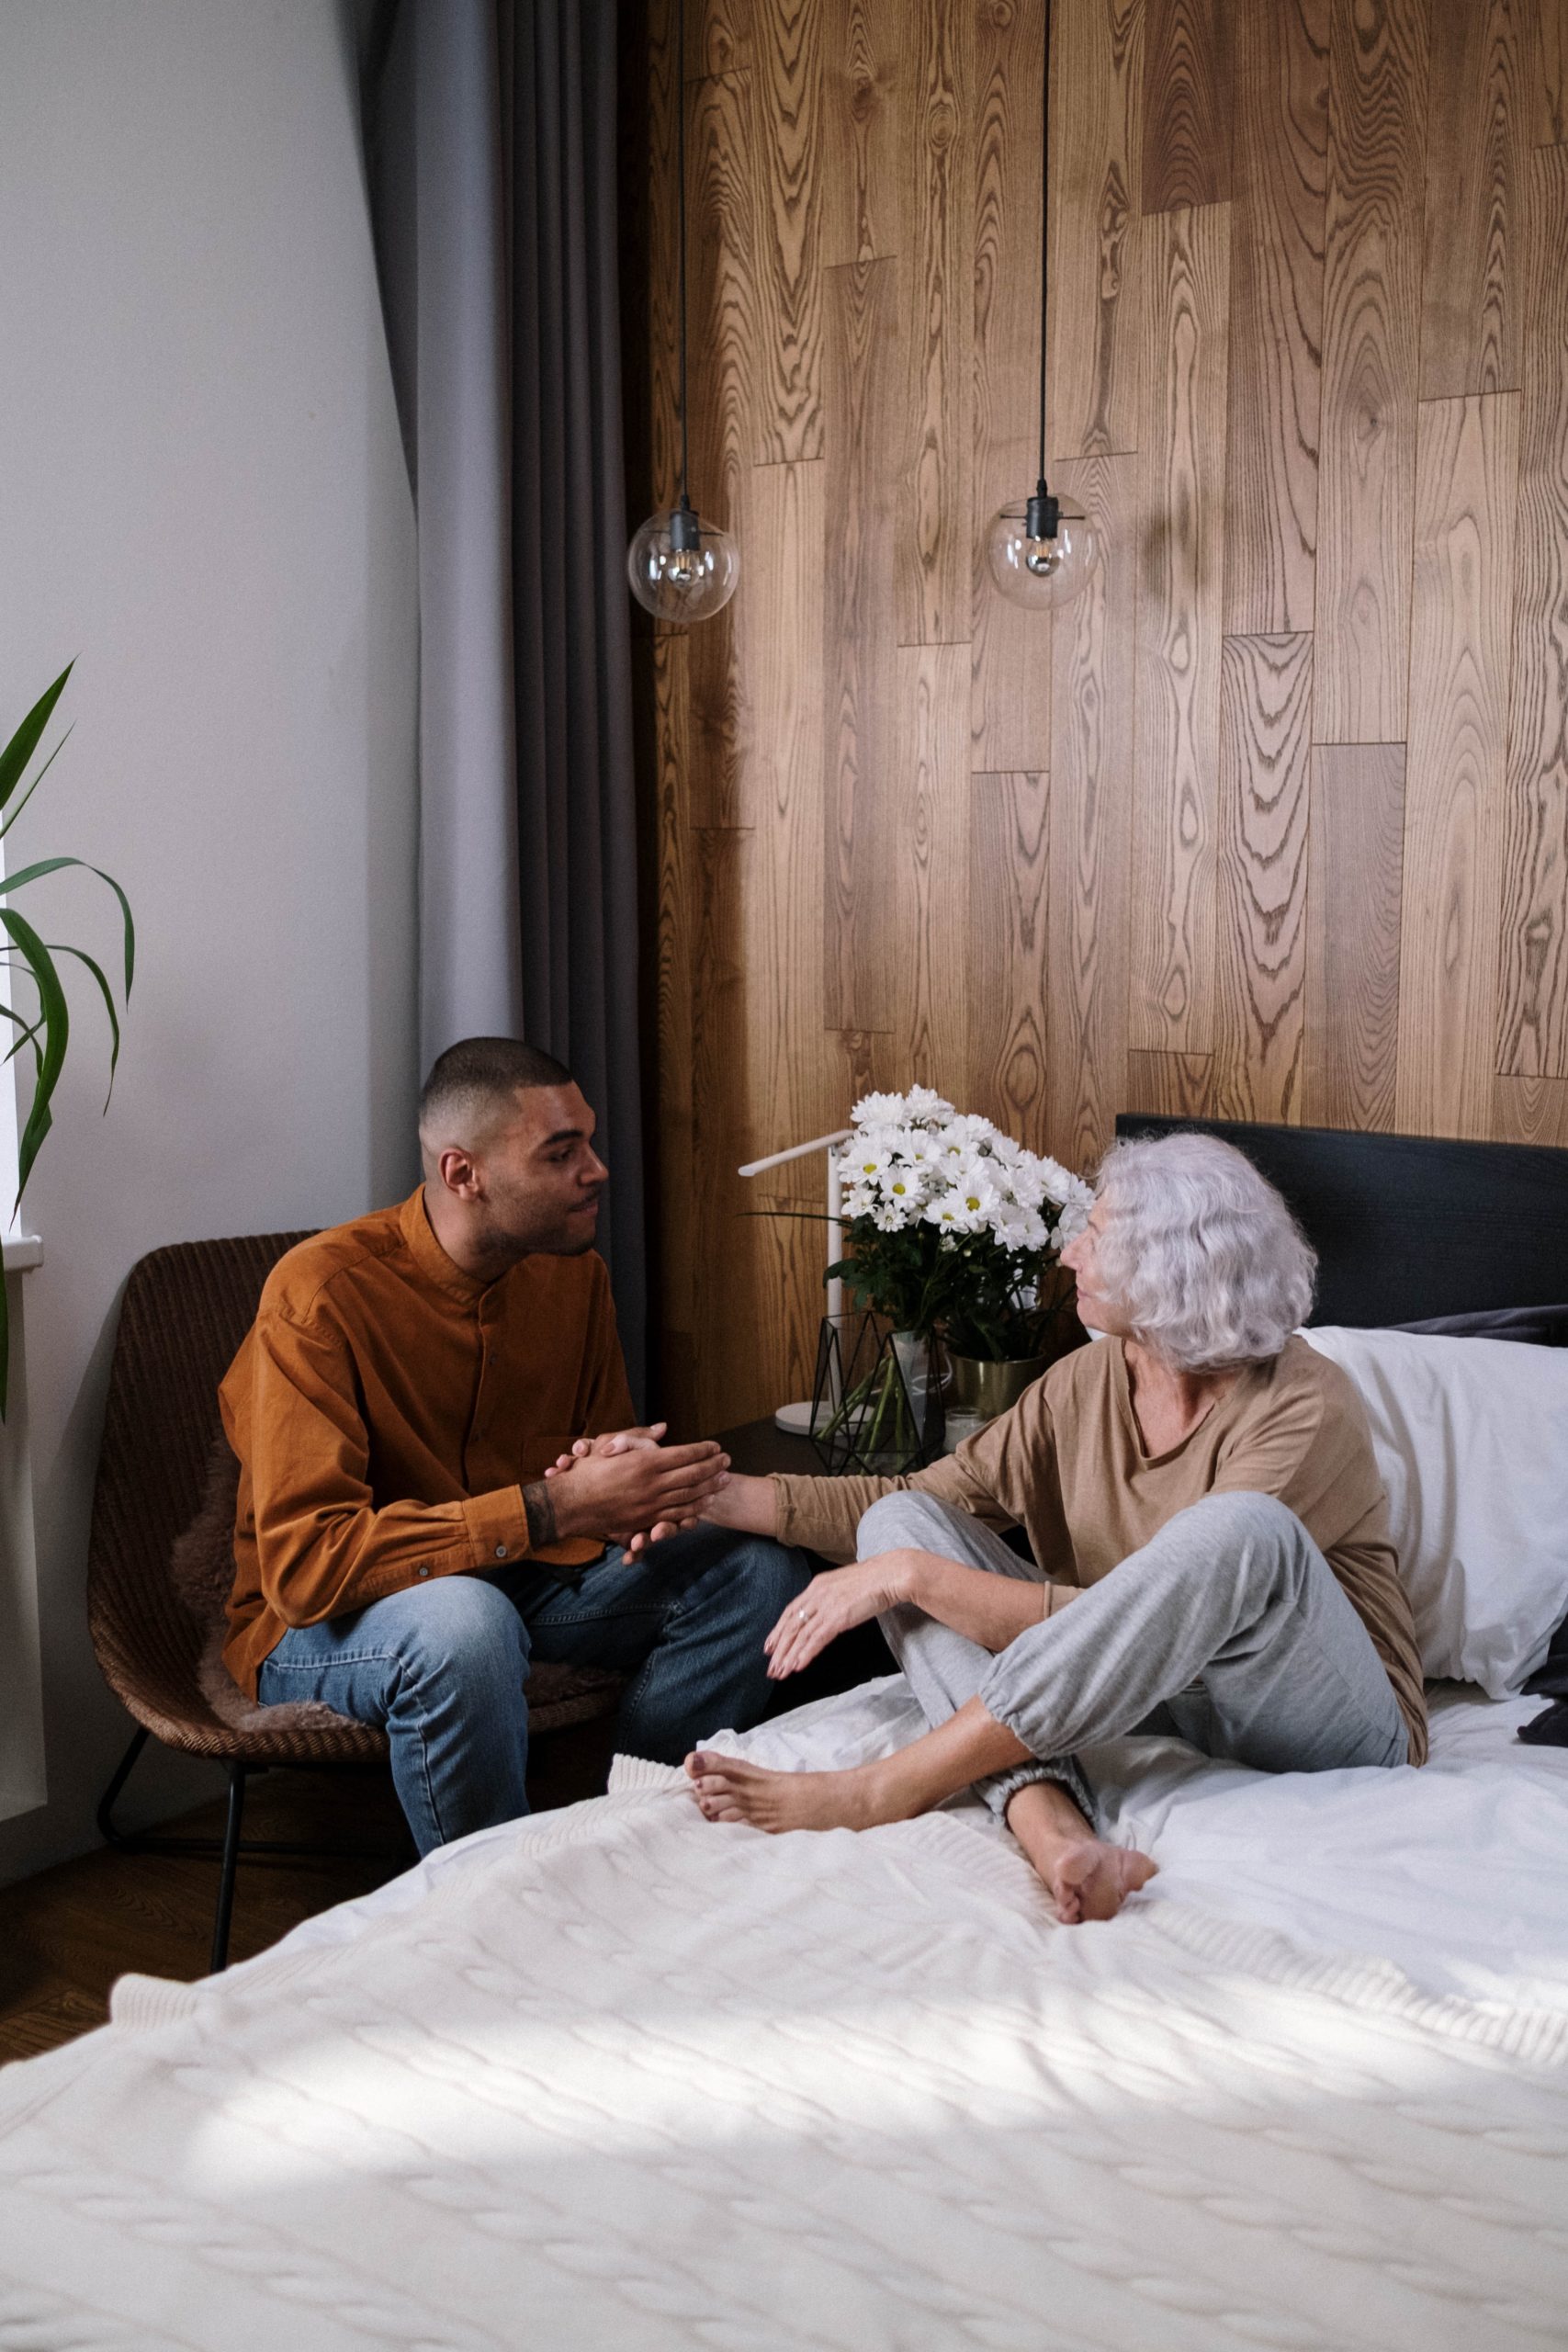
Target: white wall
(203,498)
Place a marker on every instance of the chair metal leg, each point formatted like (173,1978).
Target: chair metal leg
(231,1863)
(106,1830)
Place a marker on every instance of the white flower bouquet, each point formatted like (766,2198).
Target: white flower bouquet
(954,1227)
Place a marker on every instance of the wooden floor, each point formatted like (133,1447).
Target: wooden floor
(68,1933)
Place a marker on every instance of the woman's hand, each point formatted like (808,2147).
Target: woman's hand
(831,1603)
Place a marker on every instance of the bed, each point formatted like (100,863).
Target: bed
(614,2076)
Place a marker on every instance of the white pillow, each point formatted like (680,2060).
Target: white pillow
(1471,1438)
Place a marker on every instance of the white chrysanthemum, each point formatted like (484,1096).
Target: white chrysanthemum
(899,1184)
(924,1104)
(880,1111)
(890,1216)
(865,1159)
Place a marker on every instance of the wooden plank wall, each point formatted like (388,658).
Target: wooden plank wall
(1272,823)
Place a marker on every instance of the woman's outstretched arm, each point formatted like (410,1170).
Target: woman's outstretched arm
(987,1609)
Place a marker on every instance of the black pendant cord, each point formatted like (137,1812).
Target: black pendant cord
(1044,511)
(684,533)
(681,216)
(1044,227)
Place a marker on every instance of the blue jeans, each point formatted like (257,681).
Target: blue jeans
(443,1666)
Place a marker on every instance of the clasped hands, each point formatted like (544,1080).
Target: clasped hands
(629,1486)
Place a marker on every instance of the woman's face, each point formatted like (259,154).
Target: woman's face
(1081,1255)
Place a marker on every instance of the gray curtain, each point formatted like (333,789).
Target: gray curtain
(490,145)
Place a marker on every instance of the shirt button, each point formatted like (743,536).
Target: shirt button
(501,1551)
(422,1569)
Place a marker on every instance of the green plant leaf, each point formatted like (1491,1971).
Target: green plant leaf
(9,882)
(57,948)
(29,1035)
(55,1016)
(38,779)
(24,742)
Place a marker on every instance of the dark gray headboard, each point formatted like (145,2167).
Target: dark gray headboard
(1411,1226)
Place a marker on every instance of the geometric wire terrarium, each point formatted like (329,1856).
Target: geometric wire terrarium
(876,1406)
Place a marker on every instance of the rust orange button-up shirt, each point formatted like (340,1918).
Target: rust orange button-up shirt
(387,1411)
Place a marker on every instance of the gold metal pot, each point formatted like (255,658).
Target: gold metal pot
(988,1389)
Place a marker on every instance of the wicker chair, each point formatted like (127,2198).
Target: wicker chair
(186,1309)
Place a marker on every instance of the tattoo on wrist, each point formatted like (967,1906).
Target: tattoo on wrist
(539,1507)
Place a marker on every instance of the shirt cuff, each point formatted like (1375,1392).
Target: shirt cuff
(498,1528)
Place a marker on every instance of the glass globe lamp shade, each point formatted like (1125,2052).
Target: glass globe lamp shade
(1037,566)
(682,569)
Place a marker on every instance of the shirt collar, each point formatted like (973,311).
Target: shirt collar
(429,1256)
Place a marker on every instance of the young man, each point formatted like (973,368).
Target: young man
(408,1380)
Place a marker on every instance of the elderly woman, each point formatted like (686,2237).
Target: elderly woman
(1211,1532)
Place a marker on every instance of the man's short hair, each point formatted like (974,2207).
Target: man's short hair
(476,1079)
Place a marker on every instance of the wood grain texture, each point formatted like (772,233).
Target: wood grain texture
(1467,477)
(1476,137)
(1010,709)
(724,332)
(1171,1086)
(1354,884)
(1549,77)
(781,913)
(862,391)
(931,882)
(1265,794)
(934,577)
(1007,970)
(1530,1110)
(673,955)
(1187,104)
(901,832)
(863,164)
(719,37)
(1371,332)
(1278,198)
(723,1250)
(1097,113)
(1532,1034)
(1181,492)
(1090,830)
(787,127)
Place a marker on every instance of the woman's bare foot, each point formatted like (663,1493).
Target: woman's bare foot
(728,1789)
(1086,1879)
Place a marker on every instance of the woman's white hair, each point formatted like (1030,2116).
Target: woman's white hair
(1201,1252)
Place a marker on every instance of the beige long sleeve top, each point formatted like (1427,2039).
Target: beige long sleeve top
(1068,1465)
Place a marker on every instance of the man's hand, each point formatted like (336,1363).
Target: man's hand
(627,1485)
(831,1603)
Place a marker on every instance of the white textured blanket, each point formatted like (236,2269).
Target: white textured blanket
(616,2078)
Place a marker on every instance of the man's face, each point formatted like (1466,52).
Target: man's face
(534,1182)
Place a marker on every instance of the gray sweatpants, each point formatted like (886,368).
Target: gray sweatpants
(1229,1627)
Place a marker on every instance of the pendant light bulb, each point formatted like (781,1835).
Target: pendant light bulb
(1041,553)
(682,569)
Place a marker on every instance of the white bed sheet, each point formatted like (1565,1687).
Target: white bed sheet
(1458,1874)
(616,2077)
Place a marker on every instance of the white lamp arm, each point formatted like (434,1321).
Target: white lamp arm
(835,1197)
